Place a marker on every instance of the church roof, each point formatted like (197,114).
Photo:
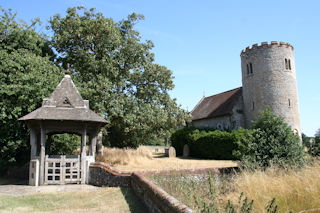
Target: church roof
(216,105)
(65,103)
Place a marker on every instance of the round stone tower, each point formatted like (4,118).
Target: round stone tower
(269,80)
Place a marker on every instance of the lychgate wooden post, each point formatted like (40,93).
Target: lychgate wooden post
(33,143)
(42,153)
(83,156)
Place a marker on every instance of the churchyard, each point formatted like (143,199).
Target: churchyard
(293,190)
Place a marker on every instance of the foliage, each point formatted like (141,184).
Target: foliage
(206,143)
(62,144)
(314,147)
(272,141)
(305,140)
(317,133)
(26,77)
(115,70)
(216,145)
(181,137)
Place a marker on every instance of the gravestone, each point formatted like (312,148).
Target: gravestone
(172,152)
(186,150)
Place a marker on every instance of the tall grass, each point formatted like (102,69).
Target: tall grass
(282,190)
(116,156)
(294,190)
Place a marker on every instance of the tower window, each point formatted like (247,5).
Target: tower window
(252,105)
(251,71)
(247,69)
(289,64)
(289,102)
(286,63)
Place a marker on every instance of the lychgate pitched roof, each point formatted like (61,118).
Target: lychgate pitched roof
(65,103)
(216,105)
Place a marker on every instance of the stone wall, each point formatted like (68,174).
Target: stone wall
(101,174)
(154,197)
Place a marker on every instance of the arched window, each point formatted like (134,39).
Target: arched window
(251,71)
(247,69)
(286,63)
(289,63)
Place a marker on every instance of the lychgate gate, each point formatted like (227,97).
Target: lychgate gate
(62,169)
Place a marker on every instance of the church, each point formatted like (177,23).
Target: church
(268,80)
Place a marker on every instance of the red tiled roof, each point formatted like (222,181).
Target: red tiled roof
(216,105)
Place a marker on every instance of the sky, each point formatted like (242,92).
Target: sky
(200,41)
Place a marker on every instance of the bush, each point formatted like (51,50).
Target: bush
(213,145)
(314,147)
(185,136)
(272,142)
(205,143)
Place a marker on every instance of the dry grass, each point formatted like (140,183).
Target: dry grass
(294,190)
(142,159)
(116,156)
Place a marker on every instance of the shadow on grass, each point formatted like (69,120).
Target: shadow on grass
(134,203)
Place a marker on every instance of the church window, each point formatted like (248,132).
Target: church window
(247,69)
(286,63)
(289,64)
(251,71)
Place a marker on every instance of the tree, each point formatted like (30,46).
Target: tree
(305,140)
(272,142)
(314,146)
(27,75)
(116,72)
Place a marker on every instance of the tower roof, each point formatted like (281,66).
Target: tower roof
(65,103)
(216,105)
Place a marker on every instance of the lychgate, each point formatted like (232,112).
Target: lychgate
(64,112)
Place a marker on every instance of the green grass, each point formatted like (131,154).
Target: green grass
(102,200)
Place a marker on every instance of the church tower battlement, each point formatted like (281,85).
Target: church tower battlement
(269,80)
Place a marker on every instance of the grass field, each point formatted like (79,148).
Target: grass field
(110,200)
(144,160)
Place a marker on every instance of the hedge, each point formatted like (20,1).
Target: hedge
(208,144)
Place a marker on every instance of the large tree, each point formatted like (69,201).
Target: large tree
(116,71)
(27,75)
